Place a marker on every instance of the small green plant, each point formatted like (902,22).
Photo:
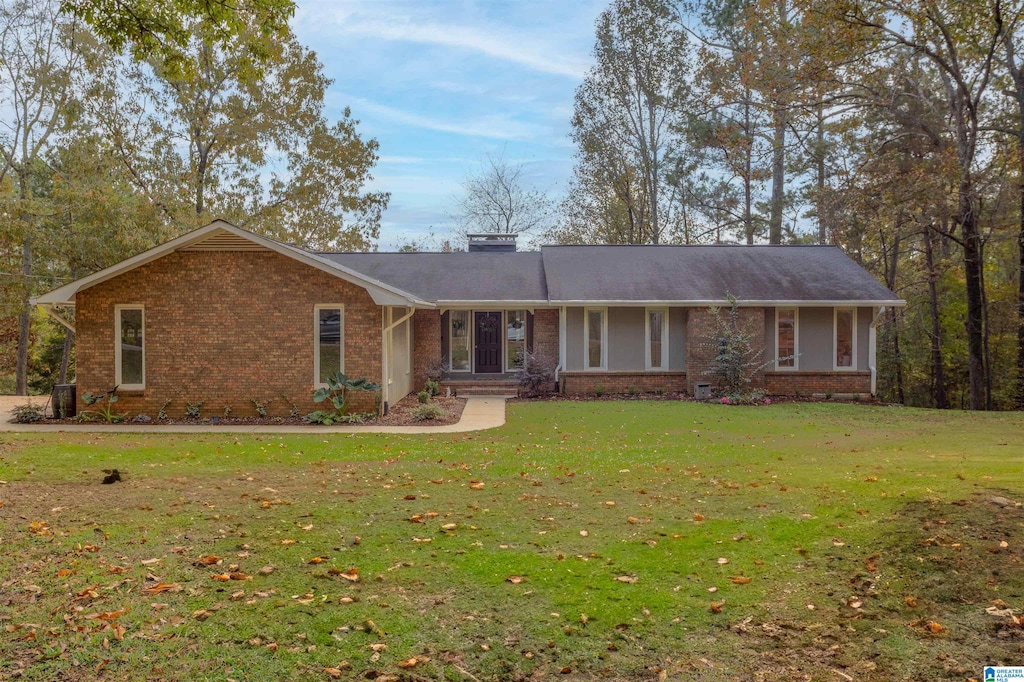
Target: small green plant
(828,395)
(261,408)
(27,414)
(162,413)
(62,405)
(293,409)
(337,390)
(104,404)
(423,397)
(432,387)
(599,390)
(632,390)
(194,410)
(428,412)
(227,411)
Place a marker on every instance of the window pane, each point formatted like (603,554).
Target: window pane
(844,338)
(515,338)
(330,336)
(787,338)
(460,340)
(656,323)
(594,323)
(131,346)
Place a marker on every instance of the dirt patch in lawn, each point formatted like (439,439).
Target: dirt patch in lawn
(941,596)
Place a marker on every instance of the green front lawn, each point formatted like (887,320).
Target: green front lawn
(647,539)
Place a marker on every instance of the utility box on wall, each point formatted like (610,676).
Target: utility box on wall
(702,390)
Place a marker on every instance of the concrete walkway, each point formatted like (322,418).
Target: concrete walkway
(481,412)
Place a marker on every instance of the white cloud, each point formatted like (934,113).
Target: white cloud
(383,23)
(494,126)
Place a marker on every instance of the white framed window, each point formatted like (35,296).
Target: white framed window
(595,338)
(130,347)
(656,332)
(460,340)
(787,339)
(328,341)
(515,340)
(844,335)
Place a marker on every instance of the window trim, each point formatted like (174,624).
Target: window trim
(648,365)
(117,346)
(604,339)
(316,339)
(796,340)
(504,337)
(451,335)
(835,340)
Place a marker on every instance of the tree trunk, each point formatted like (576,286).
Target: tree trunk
(748,190)
(897,356)
(938,375)
(968,220)
(820,170)
(24,320)
(778,176)
(65,358)
(1020,291)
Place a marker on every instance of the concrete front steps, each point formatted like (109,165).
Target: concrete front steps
(465,388)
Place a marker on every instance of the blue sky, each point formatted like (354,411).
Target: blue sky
(442,83)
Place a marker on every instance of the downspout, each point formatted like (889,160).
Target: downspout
(872,349)
(561,346)
(386,332)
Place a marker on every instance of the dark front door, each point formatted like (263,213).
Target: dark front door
(488,342)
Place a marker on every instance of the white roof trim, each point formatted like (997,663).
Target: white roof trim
(382,294)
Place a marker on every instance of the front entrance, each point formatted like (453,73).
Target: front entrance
(488,342)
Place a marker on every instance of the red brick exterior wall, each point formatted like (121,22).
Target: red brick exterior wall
(545,335)
(702,341)
(622,382)
(426,346)
(225,327)
(810,383)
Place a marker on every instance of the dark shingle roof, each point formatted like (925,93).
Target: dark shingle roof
(626,274)
(460,276)
(707,273)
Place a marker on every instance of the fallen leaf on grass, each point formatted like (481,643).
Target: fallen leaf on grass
(202,614)
(515,579)
(448,527)
(722,561)
(223,577)
(107,615)
(150,562)
(869,562)
(697,518)
(910,601)
(351,574)
(632,519)
(413,662)
(716,606)
(626,578)
(739,580)
(208,560)
(288,542)
(161,587)
(316,560)
(477,485)
(378,646)
(266,570)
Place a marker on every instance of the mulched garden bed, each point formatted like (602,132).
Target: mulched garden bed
(400,414)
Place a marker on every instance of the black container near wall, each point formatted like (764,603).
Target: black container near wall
(65,392)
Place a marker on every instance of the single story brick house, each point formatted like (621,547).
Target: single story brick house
(225,316)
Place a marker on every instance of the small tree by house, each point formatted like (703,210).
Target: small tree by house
(738,359)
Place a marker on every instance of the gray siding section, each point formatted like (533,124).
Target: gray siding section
(815,339)
(677,339)
(574,339)
(626,339)
(769,338)
(863,331)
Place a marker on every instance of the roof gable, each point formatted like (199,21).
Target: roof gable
(221,235)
